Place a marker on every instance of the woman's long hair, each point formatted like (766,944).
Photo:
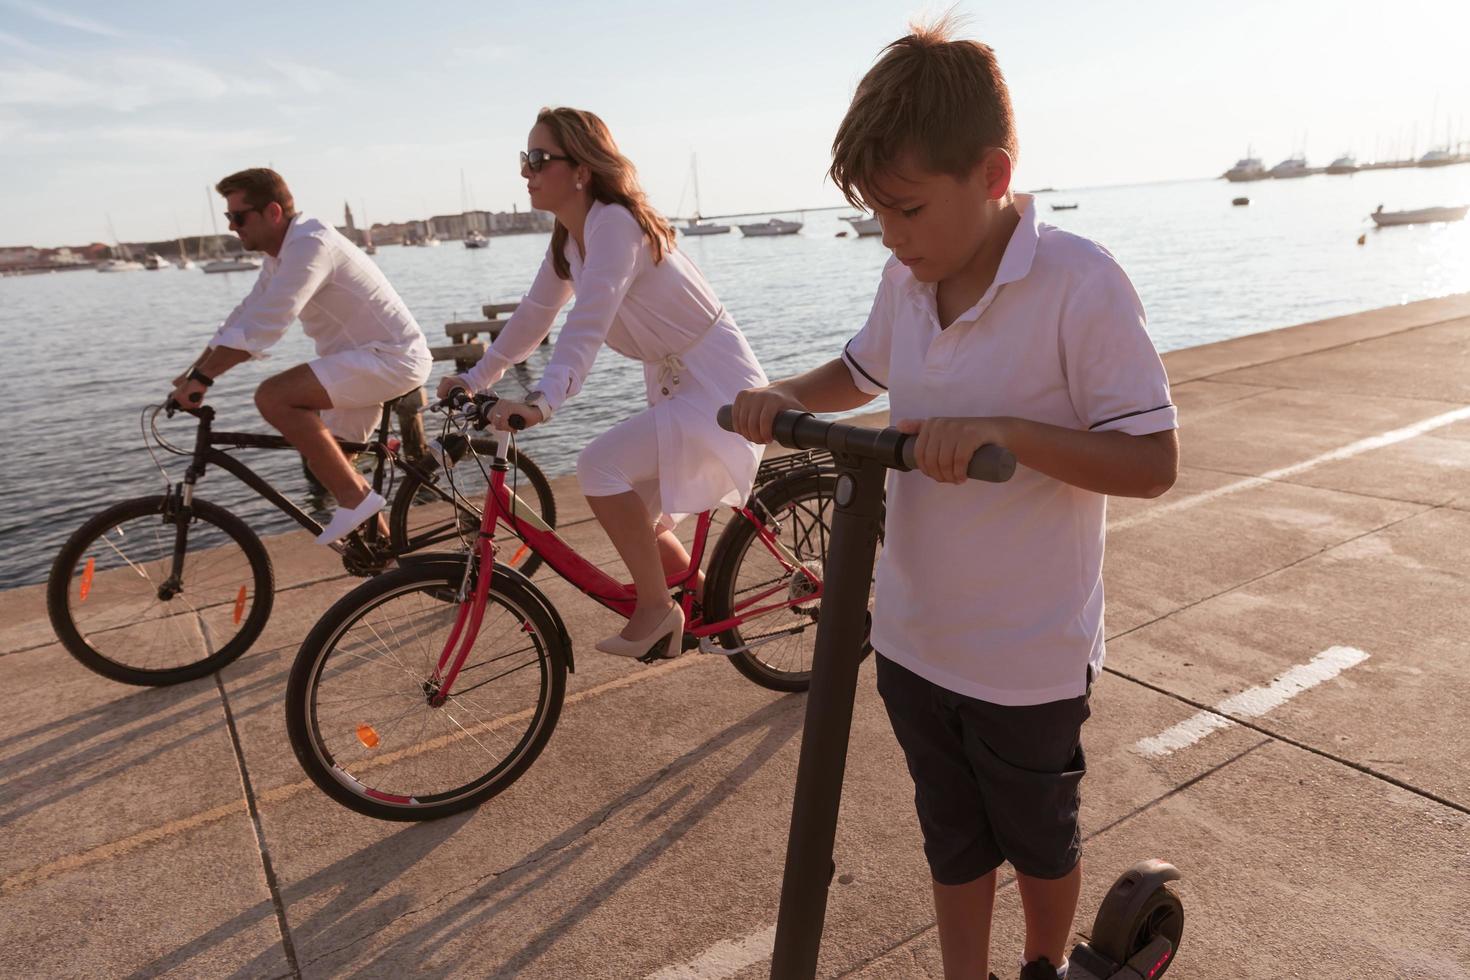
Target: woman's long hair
(586,139)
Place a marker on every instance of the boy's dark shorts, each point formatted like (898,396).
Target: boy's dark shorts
(991,783)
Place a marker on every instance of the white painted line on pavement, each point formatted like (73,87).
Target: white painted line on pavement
(1344,452)
(1252,703)
(723,959)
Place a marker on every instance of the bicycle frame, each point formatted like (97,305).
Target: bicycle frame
(367,538)
(502,507)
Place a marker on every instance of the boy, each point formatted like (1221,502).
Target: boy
(988,327)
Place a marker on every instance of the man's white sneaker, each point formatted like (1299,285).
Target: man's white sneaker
(348,519)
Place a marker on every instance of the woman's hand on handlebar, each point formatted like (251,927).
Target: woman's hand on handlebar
(944,446)
(756,408)
(500,415)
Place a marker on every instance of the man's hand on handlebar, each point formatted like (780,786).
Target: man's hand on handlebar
(756,408)
(450,382)
(944,446)
(188,393)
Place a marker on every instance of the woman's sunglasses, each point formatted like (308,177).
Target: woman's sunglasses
(537,159)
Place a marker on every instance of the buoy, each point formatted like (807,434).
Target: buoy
(1363,239)
(1241,202)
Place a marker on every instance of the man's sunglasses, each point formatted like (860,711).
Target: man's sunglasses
(537,159)
(238,217)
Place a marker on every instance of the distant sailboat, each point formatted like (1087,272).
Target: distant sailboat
(222,263)
(124,263)
(695,225)
(865,225)
(183,261)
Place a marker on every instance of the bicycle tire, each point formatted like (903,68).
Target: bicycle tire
(404,542)
(438,581)
(74,637)
(735,546)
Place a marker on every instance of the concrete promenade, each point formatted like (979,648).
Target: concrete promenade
(1284,716)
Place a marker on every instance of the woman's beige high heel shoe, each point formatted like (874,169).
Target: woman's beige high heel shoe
(669,632)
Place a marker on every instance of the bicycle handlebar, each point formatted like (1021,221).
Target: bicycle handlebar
(476,408)
(894,449)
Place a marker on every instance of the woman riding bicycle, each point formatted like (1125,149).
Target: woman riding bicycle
(638,294)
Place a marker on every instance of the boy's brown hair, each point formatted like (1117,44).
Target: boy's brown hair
(261,186)
(945,101)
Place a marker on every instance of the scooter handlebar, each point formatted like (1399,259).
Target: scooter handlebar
(894,449)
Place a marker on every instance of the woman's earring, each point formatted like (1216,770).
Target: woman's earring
(579,185)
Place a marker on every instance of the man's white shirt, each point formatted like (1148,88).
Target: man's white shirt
(341,296)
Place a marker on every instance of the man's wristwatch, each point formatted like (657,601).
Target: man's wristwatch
(537,400)
(197,375)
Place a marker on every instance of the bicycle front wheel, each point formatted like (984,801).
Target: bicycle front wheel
(423,518)
(762,572)
(145,596)
(364,711)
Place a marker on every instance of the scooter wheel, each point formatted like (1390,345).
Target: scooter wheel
(1161,915)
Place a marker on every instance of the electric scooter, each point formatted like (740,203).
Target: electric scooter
(1140,922)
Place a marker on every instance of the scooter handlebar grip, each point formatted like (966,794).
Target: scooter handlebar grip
(993,464)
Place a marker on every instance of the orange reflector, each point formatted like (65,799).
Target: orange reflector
(239,605)
(367,735)
(87,577)
(515,559)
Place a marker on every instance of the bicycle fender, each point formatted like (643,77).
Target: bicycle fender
(506,572)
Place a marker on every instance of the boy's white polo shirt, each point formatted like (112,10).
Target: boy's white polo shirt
(995,590)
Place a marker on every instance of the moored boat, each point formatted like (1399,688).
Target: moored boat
(766,229)
(1422,216)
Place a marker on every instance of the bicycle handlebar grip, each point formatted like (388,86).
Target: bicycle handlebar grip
(516,421)
(994,464)
(726,417)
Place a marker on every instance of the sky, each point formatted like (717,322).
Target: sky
(116,118)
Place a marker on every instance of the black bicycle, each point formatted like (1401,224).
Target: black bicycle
(169,587)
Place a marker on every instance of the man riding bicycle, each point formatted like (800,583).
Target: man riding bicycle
(369,347)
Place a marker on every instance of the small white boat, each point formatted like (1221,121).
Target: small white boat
(241,263)
(865,225)
(766,229)
(1438,158)
(429,241)
(1294,166)
(153,262)
(1420,217)
(1246,168)
(1345,164)
(475,240)
(184,262)
(697,226)
(119,265)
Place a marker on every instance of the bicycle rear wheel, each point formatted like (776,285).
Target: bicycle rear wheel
(421,518)
(124,607)
(360,708)
(746,575)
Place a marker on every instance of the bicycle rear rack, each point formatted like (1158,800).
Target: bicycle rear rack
(793,464)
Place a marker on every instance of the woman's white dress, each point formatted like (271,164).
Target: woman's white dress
(665,315)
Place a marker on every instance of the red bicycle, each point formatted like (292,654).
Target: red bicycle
(431,688)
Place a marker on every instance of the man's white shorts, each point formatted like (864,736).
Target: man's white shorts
(359,381)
